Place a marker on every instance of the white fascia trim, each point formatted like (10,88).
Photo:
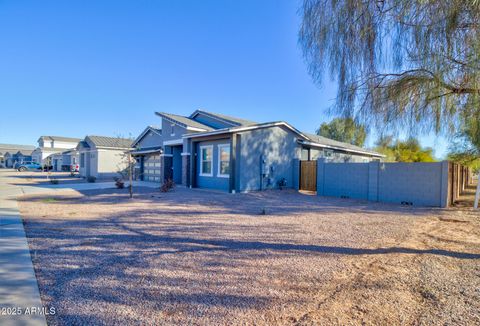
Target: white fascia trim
(195,129)
(178,141)
(341,149)
(201,162)
(219,174)
(185,154)
(115,148)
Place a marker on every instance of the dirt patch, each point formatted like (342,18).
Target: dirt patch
(198,257)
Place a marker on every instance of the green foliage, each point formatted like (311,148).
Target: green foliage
(465,147)
(398,63)
(345,130)
(403,151)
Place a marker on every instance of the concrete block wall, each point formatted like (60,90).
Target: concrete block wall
(421,184)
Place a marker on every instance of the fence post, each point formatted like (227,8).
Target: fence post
(477,194)
(444,184)
(373,179)
(296,174)
(320,175)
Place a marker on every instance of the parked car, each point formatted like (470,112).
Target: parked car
(74,168)
(29,166)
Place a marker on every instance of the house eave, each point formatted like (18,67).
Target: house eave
(343,149)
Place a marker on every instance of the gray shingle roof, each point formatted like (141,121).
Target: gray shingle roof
(184,121)
(61,138)
(330,142)
(113,142)
(12,147)
(233,120)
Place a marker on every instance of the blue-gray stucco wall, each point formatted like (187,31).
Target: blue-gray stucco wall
(211,182)
(150,139)
(277,146)
(421,184)
(167,131)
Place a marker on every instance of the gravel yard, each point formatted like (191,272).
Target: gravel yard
(207,258)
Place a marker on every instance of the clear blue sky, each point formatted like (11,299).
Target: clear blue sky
(72,68)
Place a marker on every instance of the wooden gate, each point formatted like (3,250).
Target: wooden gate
(308,175)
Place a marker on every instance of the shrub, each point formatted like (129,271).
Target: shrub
(282,183)
(167,185)
(91,179)
(54,181)
(119,183)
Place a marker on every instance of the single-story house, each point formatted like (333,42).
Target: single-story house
(11,154)
(103,157)
(50,145)
(64,160)
(210,150)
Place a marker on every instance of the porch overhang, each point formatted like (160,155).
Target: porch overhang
(144,151)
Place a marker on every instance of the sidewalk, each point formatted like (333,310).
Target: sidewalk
(18,284)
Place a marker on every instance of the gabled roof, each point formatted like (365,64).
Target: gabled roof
(308,139)
(12,147)
(110,142)
(24,152)
(154,129)
(233,121)
(340,145)
(61,138)
(184,122)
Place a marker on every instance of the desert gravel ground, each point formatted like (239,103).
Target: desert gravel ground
(206,258)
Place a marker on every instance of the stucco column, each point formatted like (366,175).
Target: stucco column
(373,179)
(444,185)
(320,175)
(186,169)
(166,167)
(233,163)
(296,174)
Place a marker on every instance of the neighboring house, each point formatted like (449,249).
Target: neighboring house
(50,145)
(12,153)
(103,157)
(147,150)
(64,160)
(209,150)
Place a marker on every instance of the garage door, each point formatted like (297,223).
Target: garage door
(151,168)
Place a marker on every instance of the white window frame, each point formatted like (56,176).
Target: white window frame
(201,161)
(172,131)
(219,156)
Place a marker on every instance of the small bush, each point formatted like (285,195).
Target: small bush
(119,183)
(91,179)
(167,185)
(282,183)
(54,181)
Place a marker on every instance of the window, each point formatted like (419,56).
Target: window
(172,133)
(82,160)
(206,154)
(224,161)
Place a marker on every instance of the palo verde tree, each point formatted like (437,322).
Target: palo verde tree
(345,130)
(399,64)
